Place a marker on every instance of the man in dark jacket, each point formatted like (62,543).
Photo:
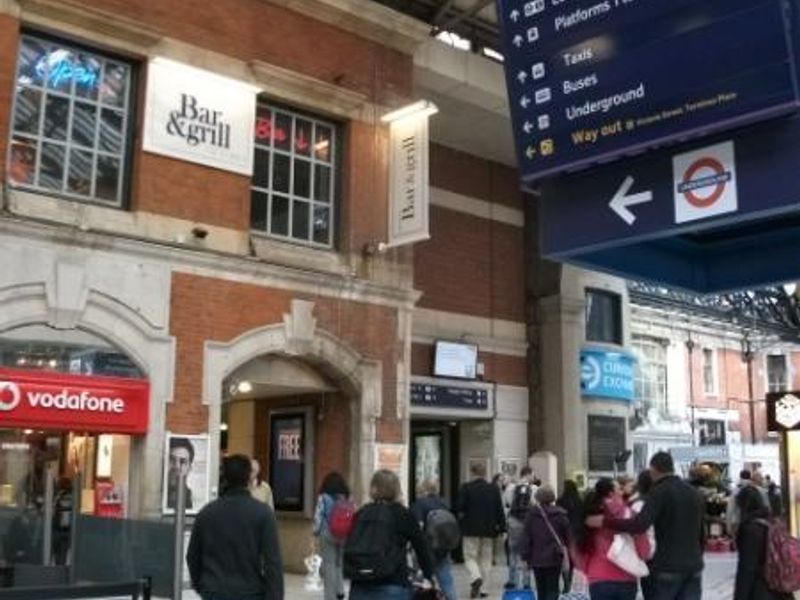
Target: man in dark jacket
(480,510)
(233,552)
(676,511)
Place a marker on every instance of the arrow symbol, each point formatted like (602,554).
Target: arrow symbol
(514,16)
(522,76)
(621,201)
(524,102)
(527,127)
(530,152)
(517,41)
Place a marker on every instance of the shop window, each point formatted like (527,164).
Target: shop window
(709,372)
(603,317)
(651,374)
(294,177)
(777,373)
(711,432)
(71,125)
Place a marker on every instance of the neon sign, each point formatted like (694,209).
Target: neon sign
(58,68)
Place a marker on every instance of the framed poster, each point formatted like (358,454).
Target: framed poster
(480,461)
(188,454)
(290,454)
(606,441)
(510,467)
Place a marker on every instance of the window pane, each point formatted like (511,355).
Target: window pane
(282,134)
(302,137)
(86,73)
(115,84)
(603,317)
(258,211)
(300,220)
(279,217)
(280,176)
(79,177)
(111,131)
(28,110)
(59,66)
(302,178)
(107,181)
(322,183)
(22,166)
(84,118)
(322,224)
(322,143)
(263,126)
(32,63)
(51,171)
(261,169)
(56,117)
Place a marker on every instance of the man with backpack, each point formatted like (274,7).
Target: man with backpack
(480,511)
(518,499)
(442,531)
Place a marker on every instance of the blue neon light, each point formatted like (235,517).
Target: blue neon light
(58,67)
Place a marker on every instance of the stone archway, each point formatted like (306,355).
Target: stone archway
(298,336)
(91,292)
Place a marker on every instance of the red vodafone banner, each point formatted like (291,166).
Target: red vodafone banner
(47,400)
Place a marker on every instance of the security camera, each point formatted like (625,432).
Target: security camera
(200,233)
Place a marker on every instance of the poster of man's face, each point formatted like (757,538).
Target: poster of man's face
(187,457)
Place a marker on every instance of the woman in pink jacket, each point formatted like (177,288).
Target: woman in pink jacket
(607,581)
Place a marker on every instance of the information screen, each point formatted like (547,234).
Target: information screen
(589,80)
(455,360)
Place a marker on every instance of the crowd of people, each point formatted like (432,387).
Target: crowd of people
(622,538)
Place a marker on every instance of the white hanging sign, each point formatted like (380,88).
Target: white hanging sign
(408,180)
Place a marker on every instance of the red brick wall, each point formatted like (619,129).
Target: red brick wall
(9,42)
(500,368)
(211,309)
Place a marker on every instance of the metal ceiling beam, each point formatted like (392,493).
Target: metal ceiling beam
(467,14)
(441,12)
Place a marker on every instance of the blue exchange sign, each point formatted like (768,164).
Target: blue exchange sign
(607,374)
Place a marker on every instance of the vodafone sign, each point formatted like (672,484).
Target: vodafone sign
(45,400)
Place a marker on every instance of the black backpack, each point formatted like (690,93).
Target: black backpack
(442,530)
(521,501)
(374,551)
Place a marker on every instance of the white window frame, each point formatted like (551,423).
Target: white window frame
(714,391)
(787,372)
(660,345)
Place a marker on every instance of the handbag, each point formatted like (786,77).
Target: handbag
(565,563)
(623,554)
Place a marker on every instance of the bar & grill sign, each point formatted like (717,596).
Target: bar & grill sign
(199,116)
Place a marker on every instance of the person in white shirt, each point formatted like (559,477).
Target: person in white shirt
(518,499)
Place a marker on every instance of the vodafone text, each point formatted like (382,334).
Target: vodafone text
(83,401)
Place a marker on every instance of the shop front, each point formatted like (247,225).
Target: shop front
(783,417)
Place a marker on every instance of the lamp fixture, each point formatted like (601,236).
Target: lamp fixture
(421,108)
(244,387)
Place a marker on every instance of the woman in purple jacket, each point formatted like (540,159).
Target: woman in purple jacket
(545,542)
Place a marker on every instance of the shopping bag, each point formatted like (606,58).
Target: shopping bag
(519,595)
(623,554)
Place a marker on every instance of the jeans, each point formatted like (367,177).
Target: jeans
(548,582)
(518,573)
(362,591)
(676,586)
(478,558)
(444,575)
(332,553)
(614,590)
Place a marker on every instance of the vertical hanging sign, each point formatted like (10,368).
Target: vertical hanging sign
(408,180)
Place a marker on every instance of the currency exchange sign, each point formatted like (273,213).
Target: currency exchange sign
(590,80)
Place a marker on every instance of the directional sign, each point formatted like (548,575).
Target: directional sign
(589,81)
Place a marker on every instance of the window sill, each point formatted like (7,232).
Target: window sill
(296,255)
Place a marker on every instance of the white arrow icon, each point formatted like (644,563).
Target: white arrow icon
(522,76)
(530,152)
(621,201)
(514,16)
(527,127)
(524,102)
(517,41)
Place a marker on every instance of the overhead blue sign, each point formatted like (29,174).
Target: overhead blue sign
(607,374)
(589,81)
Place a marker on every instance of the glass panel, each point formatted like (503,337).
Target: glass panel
(258,211)
(60,65)
(302,178)
(56,117)
(322,143)
(84,118)
(322,224)
(261,169)
(111,131)
(279,218)
(280,175)
(302,137)
(86,73)
(32,63)
(107,178)
(22,166)
(27,110)
(79,177)
(115,84)
(282,134)
(51,171)
(263,133)
(300,220)
(322,183)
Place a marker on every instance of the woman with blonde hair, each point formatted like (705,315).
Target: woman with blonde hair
(375,553)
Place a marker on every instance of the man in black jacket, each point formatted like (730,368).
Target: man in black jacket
(480,510)
(234,552)
(676,511)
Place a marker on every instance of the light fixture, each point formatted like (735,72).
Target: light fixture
(223,427)
(421,108)
(53,363)
(22,360)
(790,288)
(244,387)
(28,432)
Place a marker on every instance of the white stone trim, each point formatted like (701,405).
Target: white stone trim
(496,336)
(477,208)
